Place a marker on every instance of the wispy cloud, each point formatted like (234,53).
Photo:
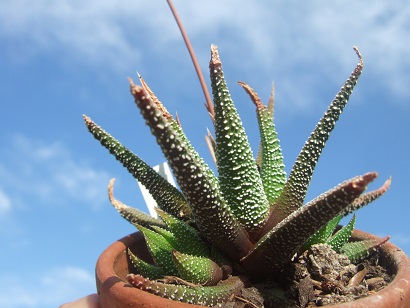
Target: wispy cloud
(36,176)
(45,289)
(91,30)
(5,203)
(115,33)
(49,173)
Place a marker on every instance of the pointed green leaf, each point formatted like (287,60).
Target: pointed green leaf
(342,236)
(272,167)
(161,250)
(197,182)
(238,174)
(323,235)
(359,250)
(187,238)
(167,196)
(175,127)
(167,235)
(271,105)
(295,189)
(275,249)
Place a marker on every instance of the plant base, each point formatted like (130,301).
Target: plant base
(113,265)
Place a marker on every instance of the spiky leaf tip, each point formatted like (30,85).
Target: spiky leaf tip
(175,125)
(356,251)
(322,236)
(186,237)
(271,105)
(166,234)
(342,236)
(367,198)
(133,215)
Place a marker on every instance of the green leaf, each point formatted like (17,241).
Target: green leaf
(197,269)
(271,105)
(133,215)
(342,236)
(295,189)
(145,269)
(356,251)
(200,187)
(167,196)
(168,235)
(278,246)
(272,167)
(160,249)
(238,174)
(176,128)
(323,235)
(187,238)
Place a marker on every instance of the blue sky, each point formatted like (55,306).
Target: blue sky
(62,59)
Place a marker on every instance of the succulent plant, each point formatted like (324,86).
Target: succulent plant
(216,232)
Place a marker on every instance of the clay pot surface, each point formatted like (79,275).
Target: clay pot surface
(115,292)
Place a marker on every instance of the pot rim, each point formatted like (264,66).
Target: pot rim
(111,287)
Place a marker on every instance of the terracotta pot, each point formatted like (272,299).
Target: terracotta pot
(113,265)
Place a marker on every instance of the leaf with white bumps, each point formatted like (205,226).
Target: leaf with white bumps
(239,177)
(342,236)
(197,269)
(200,187)
(276,248)
(203,295)
(167,196)
(294,192)
(272,168)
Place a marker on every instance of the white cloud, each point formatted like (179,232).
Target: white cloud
(111,32)
(49,173)
(96,32)
(48,289)
(5,203)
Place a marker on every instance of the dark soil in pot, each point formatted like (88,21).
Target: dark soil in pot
(321,277)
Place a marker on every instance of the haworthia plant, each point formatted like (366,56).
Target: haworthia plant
(248,219)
